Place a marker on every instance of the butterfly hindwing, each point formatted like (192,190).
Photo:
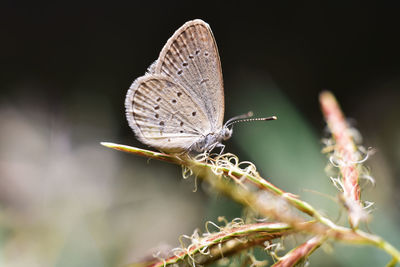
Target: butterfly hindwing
(163,114)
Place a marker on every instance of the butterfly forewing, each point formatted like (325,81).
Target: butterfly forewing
(163,114)
(190,58)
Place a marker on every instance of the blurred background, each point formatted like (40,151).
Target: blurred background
(65,69)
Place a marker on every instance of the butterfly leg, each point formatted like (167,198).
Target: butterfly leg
(222,146)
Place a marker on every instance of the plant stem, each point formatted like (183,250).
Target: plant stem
(251,199)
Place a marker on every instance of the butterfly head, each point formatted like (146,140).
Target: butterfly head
(226,133)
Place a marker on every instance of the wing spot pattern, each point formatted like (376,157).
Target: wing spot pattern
(203,81)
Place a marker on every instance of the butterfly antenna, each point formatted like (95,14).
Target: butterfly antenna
(246,118)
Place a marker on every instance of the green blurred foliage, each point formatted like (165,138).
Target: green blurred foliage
(67,201)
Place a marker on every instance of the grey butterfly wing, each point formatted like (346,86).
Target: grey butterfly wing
(191,59)
(163,114)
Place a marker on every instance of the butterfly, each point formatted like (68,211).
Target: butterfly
(178,105)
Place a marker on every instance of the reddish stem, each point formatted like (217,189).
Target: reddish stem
(346,152)
(299,253)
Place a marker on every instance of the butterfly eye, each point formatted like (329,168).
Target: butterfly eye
(226,133)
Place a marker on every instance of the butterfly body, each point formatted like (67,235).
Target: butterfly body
(212,140)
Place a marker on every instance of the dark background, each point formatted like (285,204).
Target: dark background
(65,70)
